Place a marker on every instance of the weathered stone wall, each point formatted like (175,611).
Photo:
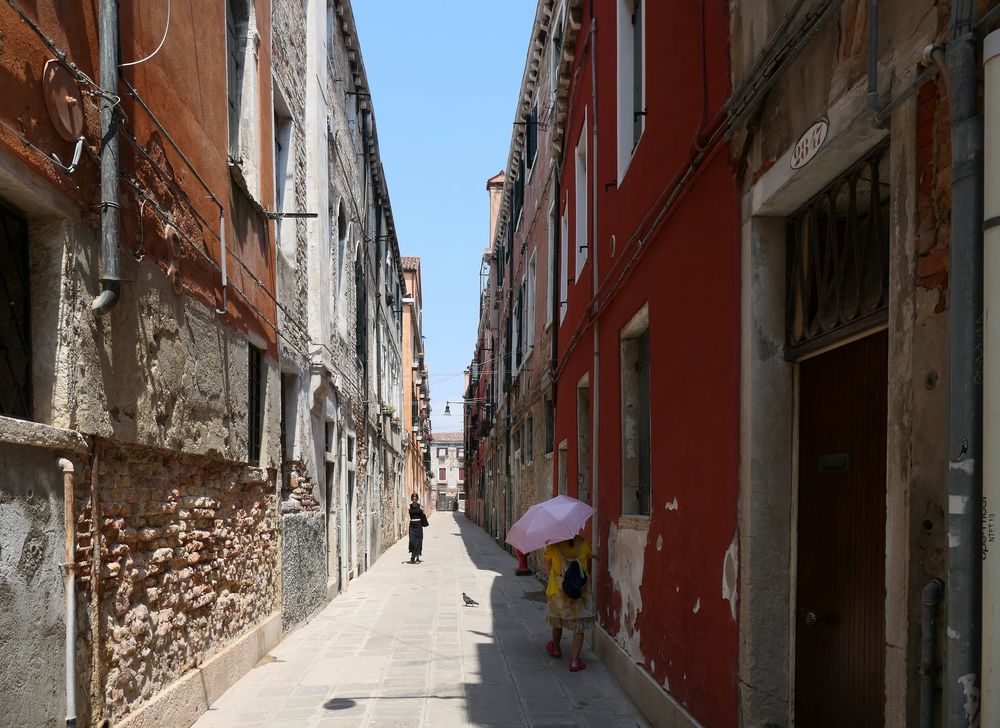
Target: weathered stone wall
(31,588)
(303,566)
(187,549)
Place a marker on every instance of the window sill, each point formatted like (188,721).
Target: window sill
(633,522)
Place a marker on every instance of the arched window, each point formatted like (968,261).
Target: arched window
(341,242)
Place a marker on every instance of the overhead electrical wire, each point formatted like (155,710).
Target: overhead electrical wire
(166,31)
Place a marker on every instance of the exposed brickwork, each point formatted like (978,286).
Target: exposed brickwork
(933,190)
(298,492)
(188,562)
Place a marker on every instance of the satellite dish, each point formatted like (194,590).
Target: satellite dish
(63,100)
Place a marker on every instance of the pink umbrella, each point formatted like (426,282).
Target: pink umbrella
(551,521)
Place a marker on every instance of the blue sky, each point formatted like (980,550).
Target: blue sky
(444,78)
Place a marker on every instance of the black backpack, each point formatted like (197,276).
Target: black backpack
(573,579)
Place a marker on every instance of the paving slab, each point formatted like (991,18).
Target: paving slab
(399,649)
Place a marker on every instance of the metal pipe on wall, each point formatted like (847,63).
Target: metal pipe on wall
(110,217)
(69,587)
(930,598)
(965,451)
(990,699)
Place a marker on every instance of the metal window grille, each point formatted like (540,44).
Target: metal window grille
(255,410)
(838,258)
(15,317)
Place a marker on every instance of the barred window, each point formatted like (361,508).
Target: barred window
(838,258)
(255,410)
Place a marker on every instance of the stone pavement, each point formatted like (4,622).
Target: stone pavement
(398,650)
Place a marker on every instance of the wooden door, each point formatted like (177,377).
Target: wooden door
(840,625)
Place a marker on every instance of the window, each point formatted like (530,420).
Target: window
(289,409)
(555,53)
(237,20)
(563,267)
(529,436)
(517,200)
(338,233)
(580,188)
(442,474)
(15,317)
(561,463)
(244,120)
(518,329)
(631,84)
(460,453)
(442,452)
(583,439)
(361,320)
(531,136)
(255,409)
(351,102)
(550,425)
(461,474)
(635,416)
(837,255)
(529,307)
(284,174)
(551,270)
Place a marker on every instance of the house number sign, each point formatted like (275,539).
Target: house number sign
(810,143)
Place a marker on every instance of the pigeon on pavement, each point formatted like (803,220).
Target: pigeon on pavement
(469,601)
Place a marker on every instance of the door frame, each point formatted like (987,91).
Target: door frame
(769,419)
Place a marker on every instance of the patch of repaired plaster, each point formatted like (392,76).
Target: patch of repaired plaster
(966,466)
(730,570)
(672,505)
(971,692)
(627,547)
(957,504)
(697,605)
(659,542)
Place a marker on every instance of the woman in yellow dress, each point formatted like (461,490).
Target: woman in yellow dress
(575,615)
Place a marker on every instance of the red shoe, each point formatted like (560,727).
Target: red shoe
(577,666)
(553,649)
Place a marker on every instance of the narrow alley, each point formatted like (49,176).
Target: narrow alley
(400,649)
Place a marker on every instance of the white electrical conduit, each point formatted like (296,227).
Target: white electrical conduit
(163,40)
(69,587)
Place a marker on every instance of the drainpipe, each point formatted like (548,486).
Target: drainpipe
(991,381)
(595,400)
(930,599)
(110,218)
(965,291)
(69,589)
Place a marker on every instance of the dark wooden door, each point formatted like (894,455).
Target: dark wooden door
(840,633)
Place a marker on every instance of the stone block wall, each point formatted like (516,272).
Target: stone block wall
(303,568)
(187,560)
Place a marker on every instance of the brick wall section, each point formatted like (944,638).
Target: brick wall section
(933,190)
(298,490)
(188,562)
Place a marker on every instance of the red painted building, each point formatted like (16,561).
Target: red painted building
(642,370)
(648,344)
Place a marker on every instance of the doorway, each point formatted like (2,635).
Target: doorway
(840,601)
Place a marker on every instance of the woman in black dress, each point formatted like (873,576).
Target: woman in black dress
(417,520)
